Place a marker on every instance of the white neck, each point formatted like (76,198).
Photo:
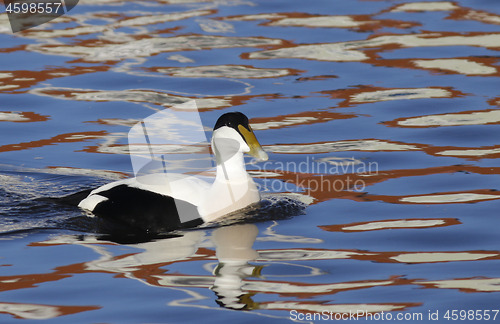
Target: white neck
(233,187)
(232,169)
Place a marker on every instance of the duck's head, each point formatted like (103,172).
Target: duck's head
(232,133)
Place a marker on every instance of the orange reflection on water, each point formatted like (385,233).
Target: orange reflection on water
(456,12)
(236,276)
(153,97)
(225,71)
(63,138)
(473,117)
(21,116)
(41,312)
(239,272)
(298,119)
(18,81)
(324,186)
(380,257)
(391,224)
(370,94)
(468,285)
(362,23)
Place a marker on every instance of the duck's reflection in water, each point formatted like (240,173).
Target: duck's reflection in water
(233,249)
(233,246)
(221,264)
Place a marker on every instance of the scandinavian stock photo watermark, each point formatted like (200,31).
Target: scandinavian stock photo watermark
(334,174)
(161,148)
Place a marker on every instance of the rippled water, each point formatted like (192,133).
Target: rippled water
(381,116)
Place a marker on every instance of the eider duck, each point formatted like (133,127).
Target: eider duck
(163,202)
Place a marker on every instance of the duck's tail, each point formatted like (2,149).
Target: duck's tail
(71,200)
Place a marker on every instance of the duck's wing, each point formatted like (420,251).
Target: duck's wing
(144,210)
(152,203)
(178,186)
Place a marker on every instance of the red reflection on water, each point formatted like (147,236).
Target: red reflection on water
(152,264)
(21,116)
(63,138)
(324,187)
(391,224)
(361,23)
(298,119)
(471,117)
(362,94)
(467,285)
(21,80)
(41,311)
(225,71)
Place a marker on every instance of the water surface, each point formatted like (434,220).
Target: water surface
(383,116)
